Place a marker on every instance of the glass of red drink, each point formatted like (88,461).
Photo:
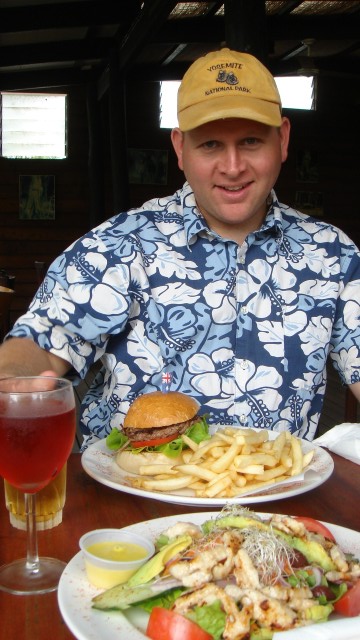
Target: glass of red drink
(37,430)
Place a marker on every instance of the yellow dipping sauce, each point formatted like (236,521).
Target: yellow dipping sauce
(116,552)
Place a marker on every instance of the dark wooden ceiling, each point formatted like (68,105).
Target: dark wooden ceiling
(59,43)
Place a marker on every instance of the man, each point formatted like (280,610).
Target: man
(233,296)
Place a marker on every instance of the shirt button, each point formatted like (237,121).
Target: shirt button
(243,419)
(242,259)
(244,364)
(244,310)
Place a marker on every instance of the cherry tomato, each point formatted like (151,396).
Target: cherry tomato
(349,603)
(169,625)
(316,527)
(152,443)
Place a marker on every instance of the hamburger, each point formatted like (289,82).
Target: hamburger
(152,430)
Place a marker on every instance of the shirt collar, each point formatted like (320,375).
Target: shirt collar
(195,223)
(273,219)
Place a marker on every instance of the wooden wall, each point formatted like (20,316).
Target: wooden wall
(24,241)
(331,134)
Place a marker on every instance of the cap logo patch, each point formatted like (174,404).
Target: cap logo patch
(228,77)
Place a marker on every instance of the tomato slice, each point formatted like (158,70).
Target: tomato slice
(316,527)
(152,443)
(349,603)
(169,625)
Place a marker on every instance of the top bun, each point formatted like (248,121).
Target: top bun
(159,409)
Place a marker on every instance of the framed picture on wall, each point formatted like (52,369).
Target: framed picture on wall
(148,166)
(306,166)
(37,197)
(310,202)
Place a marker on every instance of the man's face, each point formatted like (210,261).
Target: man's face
(232,166)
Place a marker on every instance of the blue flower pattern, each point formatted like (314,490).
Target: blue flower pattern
(245,330)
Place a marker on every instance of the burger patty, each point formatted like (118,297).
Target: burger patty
(137,435)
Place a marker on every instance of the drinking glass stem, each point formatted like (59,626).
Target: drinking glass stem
(32,557)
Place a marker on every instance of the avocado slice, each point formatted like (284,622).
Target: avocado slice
(312,550)
(139,586)
(156,564)
(123,596)
(262,634)
(319,612)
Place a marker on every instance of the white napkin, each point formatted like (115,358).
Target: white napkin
(342,629)
(343,439)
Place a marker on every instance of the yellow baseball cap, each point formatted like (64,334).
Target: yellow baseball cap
(227,84)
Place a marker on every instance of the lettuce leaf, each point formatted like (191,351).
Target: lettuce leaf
(116,439)
(198,432)
(338,590)
(210,617)
(165,600)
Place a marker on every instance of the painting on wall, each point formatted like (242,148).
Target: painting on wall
(37,197)
(306,166)
(310,202)
(148,166)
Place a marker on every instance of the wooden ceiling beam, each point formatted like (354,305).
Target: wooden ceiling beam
(59,79)
(73,14)
(153,14)
(245,27)
(201,29)
(68,51)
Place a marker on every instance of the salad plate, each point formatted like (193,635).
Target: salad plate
(99,462)
(75,594)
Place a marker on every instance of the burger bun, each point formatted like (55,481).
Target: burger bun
(159,409)
(131,462)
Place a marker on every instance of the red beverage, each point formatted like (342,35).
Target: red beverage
(37,430)
(34,448)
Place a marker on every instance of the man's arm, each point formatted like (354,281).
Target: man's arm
(23,357)
(355,388)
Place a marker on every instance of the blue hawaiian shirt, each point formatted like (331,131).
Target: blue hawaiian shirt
(246,330)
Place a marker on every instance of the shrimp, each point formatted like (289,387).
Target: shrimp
(299,598)
(245,573)
(339,559)
(269,612)
(212,560)
(183,528)
(289,525)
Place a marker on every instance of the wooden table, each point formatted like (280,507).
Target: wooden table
(91,505)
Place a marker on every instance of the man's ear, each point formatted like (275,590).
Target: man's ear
(284,138)
(177,139)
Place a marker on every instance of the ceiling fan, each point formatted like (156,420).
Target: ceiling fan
(308,67)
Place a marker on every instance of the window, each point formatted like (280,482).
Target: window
(296,92)
(33,125)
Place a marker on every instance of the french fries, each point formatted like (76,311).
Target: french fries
(232,463)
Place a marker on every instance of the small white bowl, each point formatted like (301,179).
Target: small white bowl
(103,572)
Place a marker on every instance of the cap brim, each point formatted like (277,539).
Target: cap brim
(219,108)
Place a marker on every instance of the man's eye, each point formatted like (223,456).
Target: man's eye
(209,144)
(251,141)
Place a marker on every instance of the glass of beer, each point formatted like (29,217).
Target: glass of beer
(50,502)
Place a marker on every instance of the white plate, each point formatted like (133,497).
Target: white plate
(75,592)
(99,462)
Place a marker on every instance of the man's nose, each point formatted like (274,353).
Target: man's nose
(232,161)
